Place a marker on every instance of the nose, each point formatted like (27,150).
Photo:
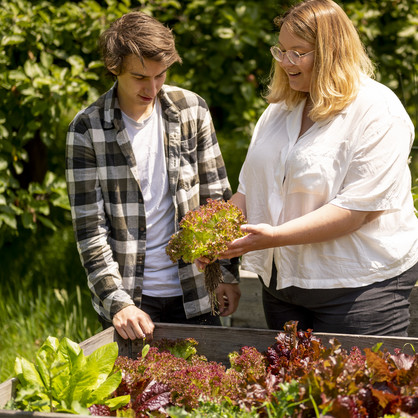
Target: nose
(152,87)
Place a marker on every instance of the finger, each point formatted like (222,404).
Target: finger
(133,332)
(248,228)
(200,266)
(138,333)
(226,308)
(231,307)
(126,332)
(221,304)
(149,333)
(122,332)
(227,254)
(147,326)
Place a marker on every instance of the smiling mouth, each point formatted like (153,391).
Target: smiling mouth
(293,74)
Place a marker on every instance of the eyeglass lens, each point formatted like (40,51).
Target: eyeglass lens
(278,54)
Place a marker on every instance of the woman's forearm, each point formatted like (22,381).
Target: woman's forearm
(324,224)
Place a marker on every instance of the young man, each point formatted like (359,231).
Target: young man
(137,160)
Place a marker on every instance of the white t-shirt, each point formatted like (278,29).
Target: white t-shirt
(357,161)
(161,277)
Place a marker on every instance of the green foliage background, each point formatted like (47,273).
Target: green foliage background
(50,69)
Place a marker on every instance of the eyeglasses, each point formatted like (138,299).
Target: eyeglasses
(293,56)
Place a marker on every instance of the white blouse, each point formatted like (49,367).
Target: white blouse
(357,161)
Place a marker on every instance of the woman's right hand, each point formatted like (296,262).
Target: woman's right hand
(259,237)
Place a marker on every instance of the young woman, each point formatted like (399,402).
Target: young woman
(326,185)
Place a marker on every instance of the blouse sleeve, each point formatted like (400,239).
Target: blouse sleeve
(378,176)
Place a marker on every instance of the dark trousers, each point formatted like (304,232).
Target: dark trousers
(378,309)
(170,310)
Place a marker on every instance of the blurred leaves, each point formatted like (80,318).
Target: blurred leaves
(389,29)
(226,58)
(50,68)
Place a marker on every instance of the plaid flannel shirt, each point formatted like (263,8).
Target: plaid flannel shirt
(107,205)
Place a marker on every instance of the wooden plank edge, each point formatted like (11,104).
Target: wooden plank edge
(96,341)
(7,390)
(217,342)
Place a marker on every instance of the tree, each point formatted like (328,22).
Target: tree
(50,68)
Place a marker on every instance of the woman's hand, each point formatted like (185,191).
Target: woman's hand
(259,237)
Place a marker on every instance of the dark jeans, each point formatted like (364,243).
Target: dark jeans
(378,309)
(170,310)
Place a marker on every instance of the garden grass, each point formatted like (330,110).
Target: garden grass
(29,318)
(44,292)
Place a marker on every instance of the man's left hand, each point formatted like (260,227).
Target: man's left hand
(228,296)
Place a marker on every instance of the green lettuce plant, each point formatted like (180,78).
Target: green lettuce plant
(63,379)
(205,233)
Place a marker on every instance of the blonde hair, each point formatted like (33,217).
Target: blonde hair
(339,59)
(138,34)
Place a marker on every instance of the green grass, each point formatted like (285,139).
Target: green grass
(29,318)
(43,292)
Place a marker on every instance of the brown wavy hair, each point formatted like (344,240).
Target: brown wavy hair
(139,34)
(339,59)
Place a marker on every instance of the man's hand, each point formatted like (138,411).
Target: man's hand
(201,263)
(228,296)
(133,323)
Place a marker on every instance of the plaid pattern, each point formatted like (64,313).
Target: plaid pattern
(107,206)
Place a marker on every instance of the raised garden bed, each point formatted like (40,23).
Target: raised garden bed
(214,342)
